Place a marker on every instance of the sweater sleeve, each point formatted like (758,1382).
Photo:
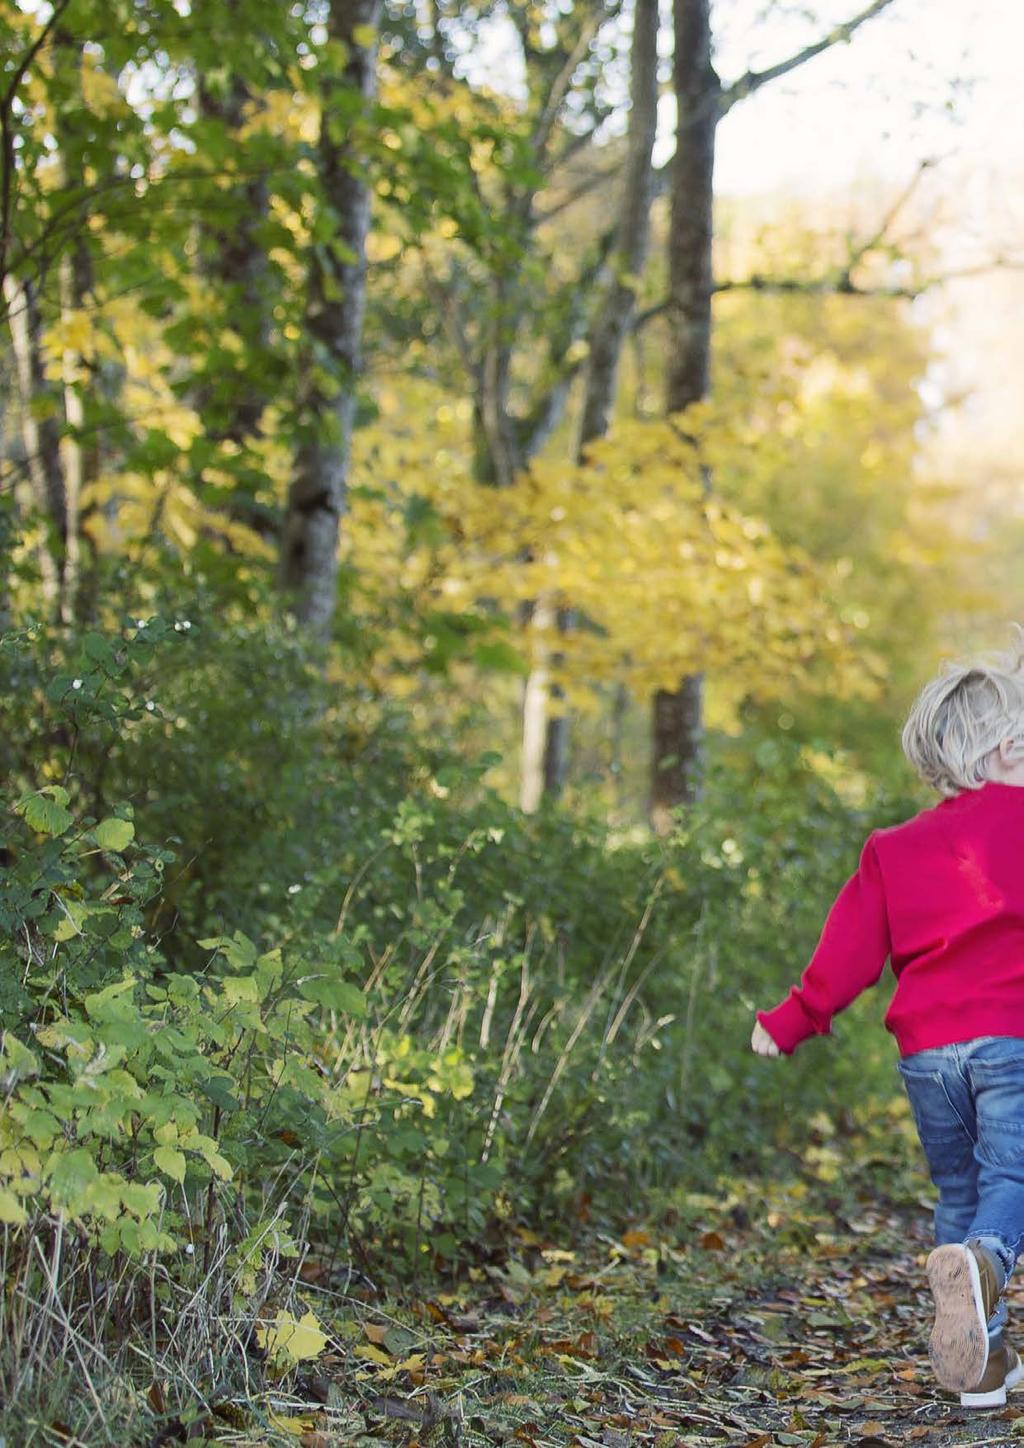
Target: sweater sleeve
(850,956)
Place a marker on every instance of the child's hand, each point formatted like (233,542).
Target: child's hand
(761,1042)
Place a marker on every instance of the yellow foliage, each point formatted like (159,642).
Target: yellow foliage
(665,580)
(289,113)
(99,89)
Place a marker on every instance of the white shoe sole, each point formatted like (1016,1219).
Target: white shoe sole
(997,1397)
(959,1342)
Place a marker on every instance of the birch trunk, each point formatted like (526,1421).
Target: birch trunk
(337,294)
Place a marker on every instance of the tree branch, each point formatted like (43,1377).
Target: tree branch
(753,80)
(559,89)
(842,285)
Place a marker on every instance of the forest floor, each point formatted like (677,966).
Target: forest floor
(770,1314)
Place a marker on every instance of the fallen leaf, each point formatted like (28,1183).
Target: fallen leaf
(295,1427)
(371,1354)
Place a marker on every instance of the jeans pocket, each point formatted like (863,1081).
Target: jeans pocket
(936,1117)
(999,1101)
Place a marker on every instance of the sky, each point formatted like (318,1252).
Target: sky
(876,106)
(863,117)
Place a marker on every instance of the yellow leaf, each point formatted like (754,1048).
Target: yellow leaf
(294,1426)
(11,1210)
(364,35)
(371,1354)
(290,1338)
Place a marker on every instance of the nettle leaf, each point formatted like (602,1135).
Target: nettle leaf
(114,834)
(44,811)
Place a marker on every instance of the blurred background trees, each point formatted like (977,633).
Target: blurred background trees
(281,288)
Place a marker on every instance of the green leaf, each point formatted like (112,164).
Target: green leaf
(215,1089)
(70,1173)
(114,834)
(334,995)
(44,810)
(170,1162)
(500,656)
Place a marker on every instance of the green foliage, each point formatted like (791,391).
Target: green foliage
(401,1001)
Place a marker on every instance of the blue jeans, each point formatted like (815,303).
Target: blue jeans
(968,1105)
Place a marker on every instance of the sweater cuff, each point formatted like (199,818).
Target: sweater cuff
(789,1024)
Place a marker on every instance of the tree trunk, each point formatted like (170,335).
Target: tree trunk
(232,257)
(535,693)
(71,454)
(38,497)
(677,721)
(613,316)
(337,294)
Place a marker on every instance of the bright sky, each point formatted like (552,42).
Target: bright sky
(875,106)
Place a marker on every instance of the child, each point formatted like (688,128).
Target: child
(942,897)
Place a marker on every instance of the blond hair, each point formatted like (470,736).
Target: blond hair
(959,720)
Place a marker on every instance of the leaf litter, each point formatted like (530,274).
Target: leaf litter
(773,1317)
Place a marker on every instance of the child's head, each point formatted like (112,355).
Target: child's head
(967,725)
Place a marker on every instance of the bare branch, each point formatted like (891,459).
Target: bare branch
(840,284)
(562,82)
(755,79)
(576,193)
(880,235)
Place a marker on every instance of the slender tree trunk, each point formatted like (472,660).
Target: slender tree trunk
(38,496)
(231,256)
(337,294)
(677,715)
(71,454)
(535,691)
(613,319)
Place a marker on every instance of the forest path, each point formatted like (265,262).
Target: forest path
(792,1314)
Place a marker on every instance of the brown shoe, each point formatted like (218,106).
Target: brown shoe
(1004,1371)
(966,1282)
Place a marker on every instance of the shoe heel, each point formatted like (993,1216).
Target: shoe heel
(995,1399)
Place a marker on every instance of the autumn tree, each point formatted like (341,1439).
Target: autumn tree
(702,100)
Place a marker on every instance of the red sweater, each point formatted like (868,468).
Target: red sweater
(942,896)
